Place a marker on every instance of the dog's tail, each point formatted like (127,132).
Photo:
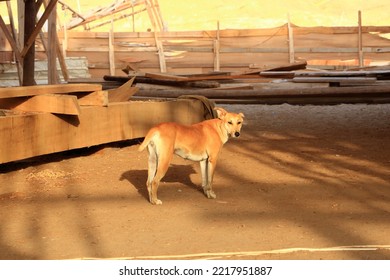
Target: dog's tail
(146,141)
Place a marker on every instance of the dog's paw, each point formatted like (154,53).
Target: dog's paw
(156,202)
(210,194)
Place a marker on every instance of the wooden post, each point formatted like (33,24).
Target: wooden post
(160,49)
(11,40)
(52,48)
(60,54)
(61,60)
(65,38)
(20,40)
(217,66)
(111,54)
(14,34)
(360,40)
(29,15)
(290,41)
(132,14)
(159,16)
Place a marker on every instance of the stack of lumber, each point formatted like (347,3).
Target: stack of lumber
(40,120)
(59,99)
(286,84)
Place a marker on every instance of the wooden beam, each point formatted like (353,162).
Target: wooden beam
(55,103)
(291,50)
(270,92)
(16,46)
(122,93)
(166,77)
(159,16)
(25,136)
(10,39)
(47,89)
(96,98)
(161,56)
(111,49)
(360,40)
(355,80)
(217,46)
(360,73)
(53,77)
(31,39)
(28,51)
(159,45)
(61,59)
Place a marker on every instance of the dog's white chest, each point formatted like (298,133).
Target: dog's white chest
(191,156)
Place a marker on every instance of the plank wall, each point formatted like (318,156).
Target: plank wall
(240,50)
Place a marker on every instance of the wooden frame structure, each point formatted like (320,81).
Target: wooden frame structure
(24,46)
(109,14)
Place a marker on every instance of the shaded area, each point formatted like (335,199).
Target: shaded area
(298,177)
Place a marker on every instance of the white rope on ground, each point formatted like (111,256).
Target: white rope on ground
(254,253)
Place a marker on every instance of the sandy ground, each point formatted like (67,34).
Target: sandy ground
(309,177)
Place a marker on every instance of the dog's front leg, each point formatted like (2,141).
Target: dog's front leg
(207,170)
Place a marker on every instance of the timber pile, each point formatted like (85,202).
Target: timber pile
(39,120)
(291,83)
(58,99)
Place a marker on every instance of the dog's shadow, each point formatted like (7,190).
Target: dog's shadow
(175,173)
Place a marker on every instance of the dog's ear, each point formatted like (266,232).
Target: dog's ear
(221,112)
(242,115)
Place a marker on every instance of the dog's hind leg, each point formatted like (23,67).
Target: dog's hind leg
(164,157)
(152,167)
(203,171)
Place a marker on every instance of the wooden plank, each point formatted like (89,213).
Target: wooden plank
(288,67)
(182,83)
(355,80)
(309,100)
(291,51)
(111,53)
(229,33)
(15,37)
(25,136)
(341,73)
(166,77)
(360,40)
(31,39)
(122,93)
(55,103)
(10,39)
(271,92)
(47,89)
(216,49)
(96,98)
(161,57)
(53,77)
(236,53)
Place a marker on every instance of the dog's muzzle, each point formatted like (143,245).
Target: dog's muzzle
(236,134)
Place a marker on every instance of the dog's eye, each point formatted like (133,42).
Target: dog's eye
(239,123)
(230,122)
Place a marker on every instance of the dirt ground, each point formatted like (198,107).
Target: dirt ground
(302,182)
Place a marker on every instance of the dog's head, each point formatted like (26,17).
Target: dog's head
(232,122)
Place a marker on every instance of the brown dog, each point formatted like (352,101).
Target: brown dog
(199,142)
